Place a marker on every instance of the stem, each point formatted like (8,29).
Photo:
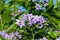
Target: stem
(32,36)
(1,21)
(10,27)
(2,24)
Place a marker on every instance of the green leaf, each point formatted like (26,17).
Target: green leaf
(1,6)
(1,38)
(50,4)
(6,17)
(53,34)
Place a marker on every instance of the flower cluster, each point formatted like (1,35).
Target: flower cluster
(10,36)
(31,19)
(40,6)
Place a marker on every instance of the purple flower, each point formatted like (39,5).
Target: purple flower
(11,35)
(20,23)
(19,36)
(34,19)
(27,16)
(38,6)
(4,34)
(16,33)
(45,38)
(58,38)
(45,4)
(41,25)
(41,19)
